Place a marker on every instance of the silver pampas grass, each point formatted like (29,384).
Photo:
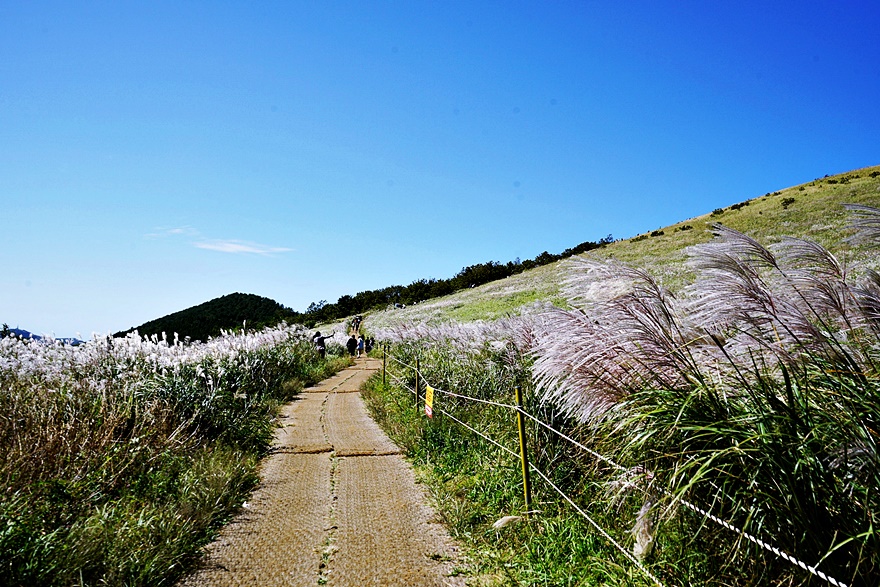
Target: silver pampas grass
(627,333)
(754,388)
(748,306)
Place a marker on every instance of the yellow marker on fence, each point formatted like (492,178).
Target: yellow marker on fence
(429,401)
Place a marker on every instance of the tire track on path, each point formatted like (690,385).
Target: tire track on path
(336,505)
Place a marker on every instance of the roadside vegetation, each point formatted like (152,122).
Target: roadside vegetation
(752,394)
(123,456)
(474,484)
(715,365)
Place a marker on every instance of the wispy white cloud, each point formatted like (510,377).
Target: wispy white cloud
(237,246)
(175,231)
(185,230)
(198,240)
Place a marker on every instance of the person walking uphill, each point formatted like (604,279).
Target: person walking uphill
(351,345)
(320,344)
(360,345)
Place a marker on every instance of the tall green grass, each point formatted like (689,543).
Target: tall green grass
(122,458)
(754,394)
(474,483)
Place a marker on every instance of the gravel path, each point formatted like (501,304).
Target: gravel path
(337,505)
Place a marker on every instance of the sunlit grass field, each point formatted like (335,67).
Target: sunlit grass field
(714,360)
(816,213)
(721,365)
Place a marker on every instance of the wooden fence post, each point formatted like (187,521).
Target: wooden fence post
(417,384)
(524,457)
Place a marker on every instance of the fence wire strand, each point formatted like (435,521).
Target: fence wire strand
(401,382)
(754,539)
(473,399)
(596,525)
(451,417)
(453,394)
(514,454)
(769,547)
(478,433)
(398,361)
(706,514)
(599,456)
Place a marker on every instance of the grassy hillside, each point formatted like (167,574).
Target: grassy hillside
(703,432)
(813,210)
(224,313)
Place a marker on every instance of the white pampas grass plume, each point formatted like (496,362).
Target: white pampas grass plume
(506,520)
(865,220)
(643,531)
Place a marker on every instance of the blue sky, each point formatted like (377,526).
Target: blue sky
(157,155)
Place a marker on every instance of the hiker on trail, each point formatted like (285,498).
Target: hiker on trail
(360,346)
(368,344)
(319,343)
(351,345)
(356,323)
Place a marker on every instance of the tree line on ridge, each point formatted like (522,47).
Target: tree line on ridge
(230,312)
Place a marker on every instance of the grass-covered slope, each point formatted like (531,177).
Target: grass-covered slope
(717,425)
(814,210)
(224,313)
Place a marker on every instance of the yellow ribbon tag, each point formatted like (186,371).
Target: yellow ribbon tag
(429,401)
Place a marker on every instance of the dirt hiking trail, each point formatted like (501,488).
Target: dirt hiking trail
(337,505)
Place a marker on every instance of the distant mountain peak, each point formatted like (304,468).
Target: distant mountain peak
(208,319)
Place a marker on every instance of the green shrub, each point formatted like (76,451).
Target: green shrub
(122,458)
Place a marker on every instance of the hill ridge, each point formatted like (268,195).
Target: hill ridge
(813,210)
(489,290)
(208,319)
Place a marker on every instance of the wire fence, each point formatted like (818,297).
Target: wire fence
(706,514)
